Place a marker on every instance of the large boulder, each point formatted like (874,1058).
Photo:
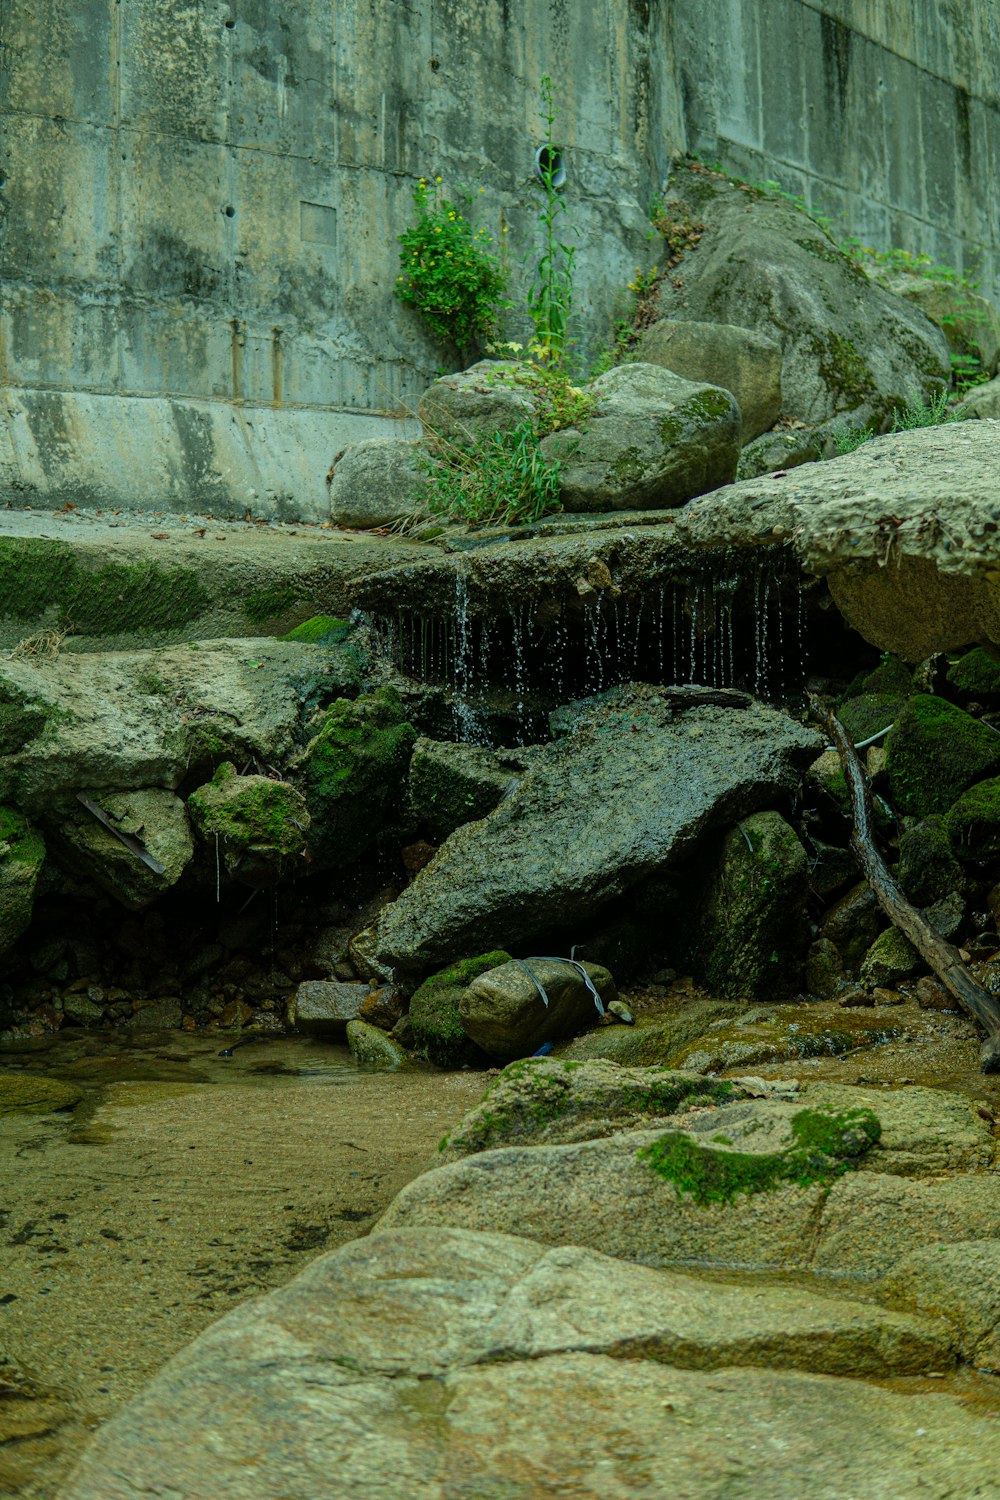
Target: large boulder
(504,1012)
(970,324)
(653,440)
(475,403)
(435,1011)
(418,1364)
(762,264)
(376,482)
(147,853)
(584,825)
(740,360)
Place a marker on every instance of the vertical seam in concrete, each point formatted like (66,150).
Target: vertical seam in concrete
(117,185)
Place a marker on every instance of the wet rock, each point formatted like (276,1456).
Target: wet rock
(928,869)
(321,1007)
(22,854)
(372,1048)
(935,753)
(853,923)
(475,403)
(653,440)
(503,1012)
(655,1039)
(780,450)
(438,1033)
(830,869)
(584,826)
(382,1006)
(596,1378)
(620,1012)
(845,342)
(784,1034)
(84,1008)
(958,1282)
(972,823)
(452,784)
(152,816)
(824,969)
(931,995)
(890,958)
(376,482)
(976,675)
(256,825)
(751,922)
(167,1013)
(741,361)
(30,1095)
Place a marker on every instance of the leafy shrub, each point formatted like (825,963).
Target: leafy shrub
(448,273)
(933,413)
(497,480)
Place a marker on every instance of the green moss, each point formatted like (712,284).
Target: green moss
(977,674)
(45,578)
(866,714)
(825,1146)
(928,869)
(355,774)
(152,684)
(827,250)
(935,752)
(891,678)
(438,1034)
(19,843)
(264,605)
(628,467)
(445,793)
(708,406)
(842,368)
(972,824)
(320,630)
(249,812)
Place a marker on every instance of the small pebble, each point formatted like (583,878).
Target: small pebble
(621,1012)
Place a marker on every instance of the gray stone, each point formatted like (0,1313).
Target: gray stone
(749,926)
(372,1048)
(451,784)
(779,450)
(762,264)
(503,1012)
(958,1282)
(969,323)
(653,440)
(745,363)
(376,482)
(321,1007)
(584,826)
(498,1368)
(891,958)
(824,969)
(655,1039)
(22,854)
(853,923)
(164,1014)
(785,1034)
(983,401)
(156,818)
(475,403)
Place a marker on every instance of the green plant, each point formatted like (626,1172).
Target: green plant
(916,413)
(883,265)
(558,402)
(501,479)
(550,300)
(448,272)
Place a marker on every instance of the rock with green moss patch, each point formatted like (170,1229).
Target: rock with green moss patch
(746,363)
(372,1048)
(22,854)
(452,784)
(868,714)
(653,440)
(751,926)
(935,752)
(853,923)
(892,678)
(787,1034)
(511,1010)
(320,630)
(782,449)
(547,1100)
(890,959)
(256,825)
(927,867)
(354,774)
(977,675)
(655,1039)
(972,823)
(761,263)
(28,1094)
(438,1033)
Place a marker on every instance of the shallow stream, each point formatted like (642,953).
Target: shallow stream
(183,1182)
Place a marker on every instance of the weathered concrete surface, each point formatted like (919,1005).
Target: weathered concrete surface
(153,579)
(584,825)
(438,1365)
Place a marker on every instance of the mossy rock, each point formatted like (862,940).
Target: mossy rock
(853,923)
(927,867)
(891,958)
(258,823)
(825,1145)
(320,630)
(977,675)
(868,713)
(972,824)
(373,1049)
(27,1094)
(438,1034)
(354,774)
(935,752)
(452,784)
(654,1039)
(22,854)
(892,678)
(753,933)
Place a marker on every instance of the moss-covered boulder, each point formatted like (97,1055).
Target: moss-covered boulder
(452,784)
(972,824)
(976,675)
(371,1048)
(22,854)
(753,930)
(438,1033)
(320,630)
(928,869)
(354,774)
(935,752)
(514,1008)
(256,825)
(653,439)
(890,959)
(853,923)
(28,1094)
(869,713)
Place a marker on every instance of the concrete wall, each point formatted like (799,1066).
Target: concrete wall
(200,200)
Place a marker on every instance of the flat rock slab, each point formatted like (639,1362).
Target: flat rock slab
(630,791)
(449,1365)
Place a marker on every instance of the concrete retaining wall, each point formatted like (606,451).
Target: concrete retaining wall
(200,200)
